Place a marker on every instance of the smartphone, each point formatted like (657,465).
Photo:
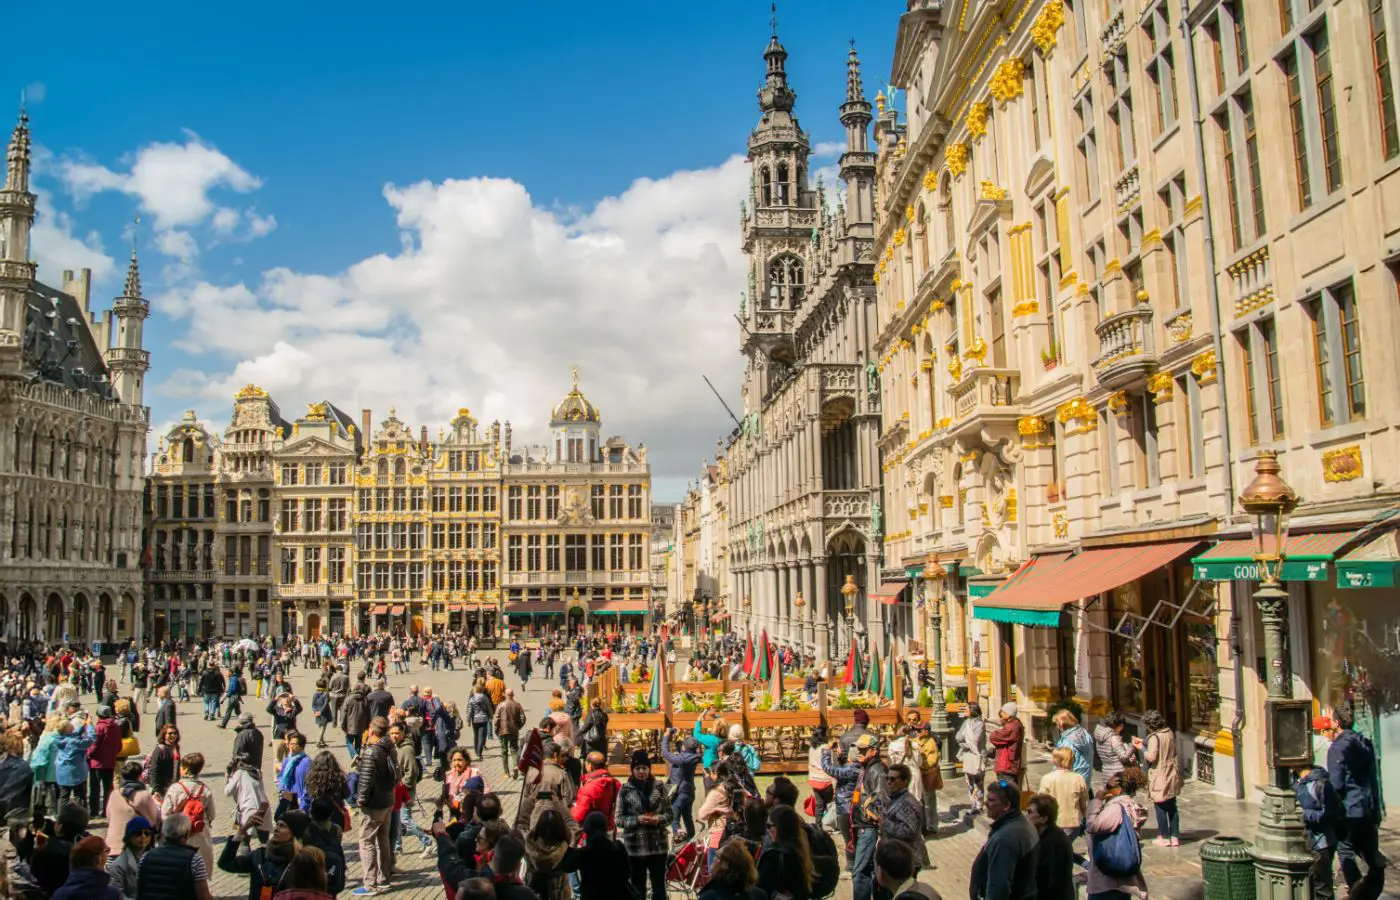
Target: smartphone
(545,795)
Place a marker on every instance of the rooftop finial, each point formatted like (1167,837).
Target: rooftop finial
(17,160)
(574,370)
(773,17)
(133,271)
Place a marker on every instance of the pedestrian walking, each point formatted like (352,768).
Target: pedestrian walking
(509,718)
(972,751)
(1353,773)
(1164,777)
(1005,867)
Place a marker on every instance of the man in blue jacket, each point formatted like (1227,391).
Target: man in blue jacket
(1352,771)
(683,762)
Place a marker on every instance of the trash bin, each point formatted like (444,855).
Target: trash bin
(1227,869)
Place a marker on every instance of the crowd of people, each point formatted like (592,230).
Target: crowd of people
(73,756)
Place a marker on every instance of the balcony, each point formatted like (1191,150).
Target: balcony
(1126,352)
(846,505)
(985,394)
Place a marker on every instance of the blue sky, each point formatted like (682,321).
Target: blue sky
(442,208)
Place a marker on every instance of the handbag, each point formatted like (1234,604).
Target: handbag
(131,746)
(1120,853)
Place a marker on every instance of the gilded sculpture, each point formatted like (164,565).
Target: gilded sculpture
(977,119)
(956,157)
(1045,29)
(1007,81)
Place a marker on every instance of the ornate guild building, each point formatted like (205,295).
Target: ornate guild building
(72,439)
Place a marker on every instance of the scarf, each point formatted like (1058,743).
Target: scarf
(281,853)
(644,788)
(129,788)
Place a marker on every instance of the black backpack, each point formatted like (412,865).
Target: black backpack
(825,862)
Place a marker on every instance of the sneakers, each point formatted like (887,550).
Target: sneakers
(1161,842)
(429,850)
(367,890)
(1176,842)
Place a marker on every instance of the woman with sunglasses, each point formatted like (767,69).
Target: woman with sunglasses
(125,866)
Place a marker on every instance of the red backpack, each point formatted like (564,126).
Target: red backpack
(193,806)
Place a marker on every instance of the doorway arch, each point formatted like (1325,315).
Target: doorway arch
(313,625)
(54,624)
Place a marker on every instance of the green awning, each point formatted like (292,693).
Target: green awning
(1307,557)
(1366,573)
(974,591)
(1041,618)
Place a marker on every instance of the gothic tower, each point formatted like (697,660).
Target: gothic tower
(777,236)
(16,271)
(858,162)
(126,359)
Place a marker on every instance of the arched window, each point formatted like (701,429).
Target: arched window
(945,205)
(784,184)
(786,283)
(766,181)
(400,468)
(383,468)
(188,449)
(921,236)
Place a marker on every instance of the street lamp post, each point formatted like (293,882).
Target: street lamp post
(849,591)
(934,574)
(1282,862)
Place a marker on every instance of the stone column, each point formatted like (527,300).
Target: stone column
(822,612)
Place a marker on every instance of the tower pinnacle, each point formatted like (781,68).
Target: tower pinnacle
(855,92)
(17,160)
(133,271)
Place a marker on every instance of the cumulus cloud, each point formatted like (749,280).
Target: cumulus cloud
(177,243)
(488,300)
(56,245)
(172,182)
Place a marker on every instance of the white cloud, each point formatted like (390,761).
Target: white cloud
(828,149)
(487,301)
(173,182)
(179,244)
(260,226)
(56,246)
(225,220)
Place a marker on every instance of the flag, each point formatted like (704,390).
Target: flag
(853,669)
(888,692)
(748,654)
(872,677)
(532,754)
(657,673)
(764,652)
(777,686)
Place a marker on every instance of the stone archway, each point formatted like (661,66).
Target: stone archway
(28,618)
(54,623)
(313,625)
(130,623)
(80,623)
(104,629)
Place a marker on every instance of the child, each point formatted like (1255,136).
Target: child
(1322,814)
(1069,790)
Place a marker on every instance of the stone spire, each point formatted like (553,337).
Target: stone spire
(855,92)
(17,160)
(858,163)
(133,274)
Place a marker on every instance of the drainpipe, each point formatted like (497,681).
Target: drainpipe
(1213,300)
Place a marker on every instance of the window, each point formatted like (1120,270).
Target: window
(337,515)
(1272,378)
(1076,14)
(1161,70)
(289,565)
(1108,450)
(381,535)
(400,576)
(1326,109)
(1190,438)
(454,536)
(488,536)
(515,552)
(615,501)
(1306,66)
(615,559)
(532,502)
(454,575)
(313,474)
(399,536)
(1385,83)
(576,551)
(533,559)
(1247,375)
(335,565)
(439,536)
(488,500)
(1245,102)
(598,550)
(1302,177)
(400,500)
(551,502)
(1087,147)
(1341,391)
(514,503)
(311,565)
(1234,12)
(336,474)
(289,473)
(551,553)
(312,520)
(472,500)
(1097,258)
(1240,159)
(634,501)
(634,552)
(1120,109)
(786,285)
(1173,200)
(291,516)
(454,499)
(363,577)
(1144,433)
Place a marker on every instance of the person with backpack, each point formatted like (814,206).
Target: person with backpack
(1115,852)
(1353,773)
(354,719)
(1322,820)
(410,773)
(193,799)
(903,816)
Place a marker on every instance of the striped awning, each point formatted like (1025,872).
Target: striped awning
(381,610)
(619,608)
(1307,557)
(890,591)
(1040,590)
(397,610)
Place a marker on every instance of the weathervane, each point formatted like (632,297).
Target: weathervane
(773,18)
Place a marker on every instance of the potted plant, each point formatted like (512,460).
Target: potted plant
(925,698)
(1050,356)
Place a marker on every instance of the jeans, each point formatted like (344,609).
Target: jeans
(655,865)
(211,705)
(233,708)
(408,826)
(352,745)
(822,797)
(99,786)
(479,737)
(930,811)
(1168,819)
(1321,874)
(510,743)
(683,813)
(375,852)
(1360,838)
(863,871)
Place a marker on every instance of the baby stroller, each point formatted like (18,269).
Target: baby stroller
(686,871)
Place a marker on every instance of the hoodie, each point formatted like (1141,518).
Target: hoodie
(545,877)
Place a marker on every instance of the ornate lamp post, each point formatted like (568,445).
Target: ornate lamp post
(849,591)
(934,574)
(797,604)
(1281,858)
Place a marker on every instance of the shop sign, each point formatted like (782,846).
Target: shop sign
(1366,574)
(1248,570)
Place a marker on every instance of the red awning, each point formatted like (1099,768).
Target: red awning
(380,610)
(397,610)
(1052,581)
(1317,545)
(456,607)
(889,592)
(531,607)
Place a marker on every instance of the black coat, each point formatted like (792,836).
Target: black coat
(603,867)
(260,868)
(249,742)
(1054,865)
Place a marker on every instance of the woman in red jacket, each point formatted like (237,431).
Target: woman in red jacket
(1009,741)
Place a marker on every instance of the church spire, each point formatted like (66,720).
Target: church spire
(133,271)
(858,163)
(17,160)
(775,93)
(855,92)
